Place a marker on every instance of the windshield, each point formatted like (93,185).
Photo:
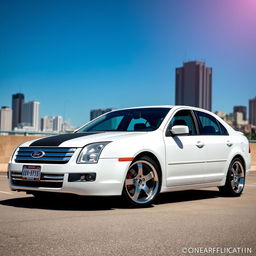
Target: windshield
(141,119)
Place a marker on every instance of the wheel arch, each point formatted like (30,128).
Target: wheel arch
(242,160)
(153,157)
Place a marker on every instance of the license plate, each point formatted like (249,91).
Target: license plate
(31,172)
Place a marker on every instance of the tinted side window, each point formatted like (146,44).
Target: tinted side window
(208,125)
(223,129)
(184,117)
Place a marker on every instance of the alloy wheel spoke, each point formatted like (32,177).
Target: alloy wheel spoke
(129,182)
(241,181)
(140,169)
(234,171)
(149,176)
(147,190)
(137,193)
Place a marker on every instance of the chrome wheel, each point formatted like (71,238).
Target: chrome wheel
(142,182)
(235,180)
(237,177)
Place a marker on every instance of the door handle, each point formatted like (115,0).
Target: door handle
(199,144)
(229,143)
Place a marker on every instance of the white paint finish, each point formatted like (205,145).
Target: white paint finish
(183,159)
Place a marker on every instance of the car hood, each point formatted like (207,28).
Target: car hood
(80,139)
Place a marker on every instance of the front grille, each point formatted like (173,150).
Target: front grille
(49,155)
(47,180)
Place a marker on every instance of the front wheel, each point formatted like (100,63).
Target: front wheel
(235,180)
(142,182)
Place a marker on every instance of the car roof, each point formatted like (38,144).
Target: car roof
(165,106)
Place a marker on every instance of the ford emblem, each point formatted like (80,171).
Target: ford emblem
(37,154)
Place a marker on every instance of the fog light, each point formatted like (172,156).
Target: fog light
(82,177)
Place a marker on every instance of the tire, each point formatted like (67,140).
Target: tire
(142,182)
(235,180)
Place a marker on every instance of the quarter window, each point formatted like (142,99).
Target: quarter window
(223,129)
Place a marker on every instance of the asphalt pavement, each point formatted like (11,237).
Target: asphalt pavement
(195,222)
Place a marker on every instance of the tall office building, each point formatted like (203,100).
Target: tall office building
(5,119)
(47,124)
(252,111)
(241,109)
(194,85)
(97,112)
(57,123)
(30,115)
(17,101)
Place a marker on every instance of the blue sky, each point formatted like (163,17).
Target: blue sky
(74,56)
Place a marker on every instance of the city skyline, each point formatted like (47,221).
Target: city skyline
(76,56)
(31,120)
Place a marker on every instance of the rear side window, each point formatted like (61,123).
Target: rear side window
(184,117)
(223,129)
(208,125)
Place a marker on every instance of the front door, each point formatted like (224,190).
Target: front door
(185,155)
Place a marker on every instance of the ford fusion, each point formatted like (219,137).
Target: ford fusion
(136,153)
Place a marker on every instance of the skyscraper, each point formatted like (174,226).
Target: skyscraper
(47,124)
(194,85)
(252,111)
(241,109)
(5,119)
(30,115)
(97,112)
(17,101)
(57,123)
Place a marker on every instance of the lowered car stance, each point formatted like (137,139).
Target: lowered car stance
(136,153)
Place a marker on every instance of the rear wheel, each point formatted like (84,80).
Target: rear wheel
(235,180)
(142,182)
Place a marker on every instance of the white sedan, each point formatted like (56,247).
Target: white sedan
(137,153)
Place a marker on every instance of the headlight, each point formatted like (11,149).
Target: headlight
(90,154)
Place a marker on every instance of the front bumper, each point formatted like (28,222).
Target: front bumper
(110,176)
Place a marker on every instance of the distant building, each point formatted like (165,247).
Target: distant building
(194,85)
(31,115)
(97,112)
(221,114)
(252,111)
(47,124)
(57,123)
(228,118)
(17,101)
(239,120)
(67,127)
(241,109)
(5,119)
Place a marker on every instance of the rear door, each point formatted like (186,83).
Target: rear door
(217,146)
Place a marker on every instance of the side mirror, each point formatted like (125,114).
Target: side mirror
(179,130)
